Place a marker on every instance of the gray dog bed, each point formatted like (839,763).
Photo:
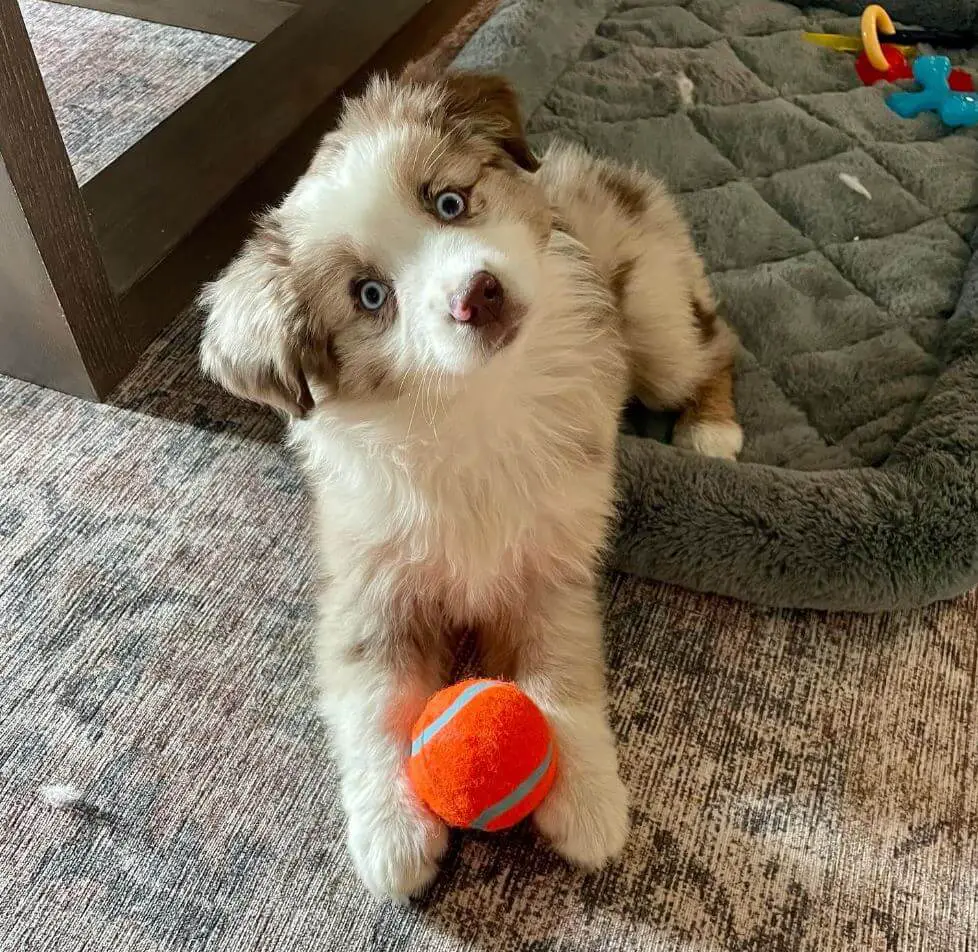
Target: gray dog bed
(855,303)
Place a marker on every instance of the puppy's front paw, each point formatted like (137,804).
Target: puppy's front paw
(723,439)
(397,853)
(585,819)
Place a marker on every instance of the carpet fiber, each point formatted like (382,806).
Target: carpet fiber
(858,485)
(800,781)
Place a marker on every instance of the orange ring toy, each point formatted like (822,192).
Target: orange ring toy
(875,17)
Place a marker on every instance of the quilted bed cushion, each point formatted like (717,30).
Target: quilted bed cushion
(837,239)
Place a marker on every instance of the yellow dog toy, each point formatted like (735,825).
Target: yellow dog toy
(874,17)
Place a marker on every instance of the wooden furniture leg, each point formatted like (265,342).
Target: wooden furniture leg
(58,317)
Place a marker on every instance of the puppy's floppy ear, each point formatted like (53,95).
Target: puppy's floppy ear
(485,103)
(254,341)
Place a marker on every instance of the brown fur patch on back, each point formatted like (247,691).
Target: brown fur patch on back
(706,321)
(628,193)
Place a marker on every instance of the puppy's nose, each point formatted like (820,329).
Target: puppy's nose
(480,302)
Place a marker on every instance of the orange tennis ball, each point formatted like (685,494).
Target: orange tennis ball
(482,756)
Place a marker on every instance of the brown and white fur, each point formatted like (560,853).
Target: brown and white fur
(463,475)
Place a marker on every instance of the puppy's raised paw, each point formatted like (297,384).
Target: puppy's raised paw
(585,820)
(397,854)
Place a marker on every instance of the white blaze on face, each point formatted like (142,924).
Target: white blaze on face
(425,261)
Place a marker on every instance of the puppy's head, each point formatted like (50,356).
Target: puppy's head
(411,248)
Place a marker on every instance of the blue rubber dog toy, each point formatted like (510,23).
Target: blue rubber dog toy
(932,72)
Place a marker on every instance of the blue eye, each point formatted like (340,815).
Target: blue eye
(372,295)
(449,205)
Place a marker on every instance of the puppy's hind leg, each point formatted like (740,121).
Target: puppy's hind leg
(682,359)
(708,424)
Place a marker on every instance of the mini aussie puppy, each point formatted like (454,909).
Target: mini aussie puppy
(453,327)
